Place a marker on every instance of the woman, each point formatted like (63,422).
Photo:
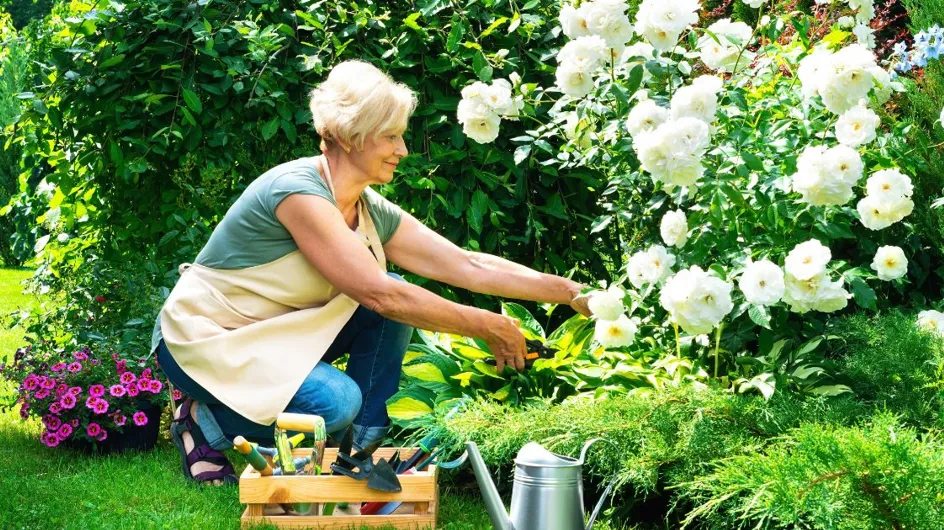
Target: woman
(294,277)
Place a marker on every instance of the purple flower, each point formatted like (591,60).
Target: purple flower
(74,422)
(97,390)
(91,401)
(74,367)
(122,367)
(120,420)
(31,382)
(67,401)
(146,374)
(128,378)
(64,431)
(50,439)
(177,395)
(75,390)
(58,367)
(42,393)
(80,355)
(61,389)
(55,408)
(93,429)
(51,422)
(100,407)
(140,418)
(101,437)
(144,384)
(132,390)
(47,382)
(24,412)
(117,390)
(155,386)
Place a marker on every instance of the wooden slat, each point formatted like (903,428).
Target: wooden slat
(345,522)
(331,488)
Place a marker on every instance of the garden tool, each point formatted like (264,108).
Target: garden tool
(299,461)
(361,466)
(547,492)
(303,424)
(387,508)
(536,350)
(256,460)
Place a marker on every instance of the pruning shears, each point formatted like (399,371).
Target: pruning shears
(536,350)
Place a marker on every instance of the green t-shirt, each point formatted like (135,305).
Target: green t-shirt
(250,234)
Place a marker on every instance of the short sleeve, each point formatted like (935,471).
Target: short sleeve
(385,214)
(298,178)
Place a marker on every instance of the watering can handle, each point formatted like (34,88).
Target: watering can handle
(609,487)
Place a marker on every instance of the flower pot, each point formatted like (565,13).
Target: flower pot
(132,437)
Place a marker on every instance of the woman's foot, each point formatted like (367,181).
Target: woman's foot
(200,462)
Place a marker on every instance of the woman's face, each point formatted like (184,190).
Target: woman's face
(380,156)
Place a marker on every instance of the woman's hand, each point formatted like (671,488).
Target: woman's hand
(507,343)
(580,303)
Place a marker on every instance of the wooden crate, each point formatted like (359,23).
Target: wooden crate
(420,488)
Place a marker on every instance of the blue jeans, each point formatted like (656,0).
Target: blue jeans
(357,396)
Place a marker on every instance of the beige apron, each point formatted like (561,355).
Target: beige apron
(251,336)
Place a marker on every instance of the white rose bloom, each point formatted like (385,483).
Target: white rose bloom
(697,301)
(62,238)
(615,333)
(722,54)
(585,54)
(694,101)
(827,176)
(612,25)
(482,129)
(660,39)
(865,35)
(932,321)
(755,4)
(640,49)
(865,10)
(846,22)
(847,79)
(669,15)
(581,136)
(473,103)
(817,293)
(889,183)
(831,297)
(890,263)
(672,153)
(844,164)
(762,283)
(810,71)
(650,266)
(645,116)
(608,304)
(674,228)
(857,126)
(882,91)
(498,97)
(807,259)
(573,82)
(877,212)
(572,22)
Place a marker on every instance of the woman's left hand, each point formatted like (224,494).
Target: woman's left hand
(580,304)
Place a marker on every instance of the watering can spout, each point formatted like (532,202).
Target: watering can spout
(493,502)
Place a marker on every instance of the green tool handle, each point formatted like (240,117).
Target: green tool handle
(256,460)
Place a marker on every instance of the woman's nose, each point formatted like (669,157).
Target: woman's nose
(401,149)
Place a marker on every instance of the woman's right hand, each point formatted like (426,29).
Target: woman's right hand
(507,343)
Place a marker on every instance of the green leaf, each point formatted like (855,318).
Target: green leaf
(862,293)
(478,208)
(410,21)
(522,153)
(529,325)
(455,35)
(270,128)
(112,61)
(635,79)
(759,315)
(424,372)
(192,101)
(753,162)
(410,404)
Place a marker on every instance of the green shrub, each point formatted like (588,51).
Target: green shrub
(823,476)
(13,66)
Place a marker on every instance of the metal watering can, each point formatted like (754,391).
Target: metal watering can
(547,492)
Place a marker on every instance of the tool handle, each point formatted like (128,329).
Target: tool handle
(256,460)
(291,421)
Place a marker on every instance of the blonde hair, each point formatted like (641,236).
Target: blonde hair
(358,99)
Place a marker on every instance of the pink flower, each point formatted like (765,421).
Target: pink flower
(97,390)
(146,374)
(74,422)
(91,401)
(42,393)
(58,367)
(64,431)
(51,440)
(177,395)
(117,390)
(132,390)
(140,418)
(51,422)
(48,383)
(80,355)
(93,429)
(100,407)
(155,386)
(67,401)
(61,389)
(75,391)
(74,367)
(122,366)
(120,420)
(24,412)
(128,378)
(144,384)
(101,437)
(31,382)
(95,362)
(55,408)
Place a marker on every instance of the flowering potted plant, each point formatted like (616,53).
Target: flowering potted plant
(86,401)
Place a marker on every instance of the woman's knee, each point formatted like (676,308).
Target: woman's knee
(347,403)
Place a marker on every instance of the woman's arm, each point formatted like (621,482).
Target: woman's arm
(422,251)
(346,263)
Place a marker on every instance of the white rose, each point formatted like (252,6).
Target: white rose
(865,35)
(729,51)
(694,102)
(607,305)
(807,259)
(498,97)
(660,39)
(843,164)
(877,212)
(645,116)
(612,25)
(817,293)
(574,82)
(615,333)
(857,126)
(482,129)
(585,54)
(831,297)
(762,283)
(650,266)
(672,153)
(696,300)
(846,22)
(674,228)
(890,263)
(640,49)
(889,183)
(848,78)
(865,10)
(577,130)
(932,321)
(882,91)
(827,176)
(810,71)
(669,15)
(572,22)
